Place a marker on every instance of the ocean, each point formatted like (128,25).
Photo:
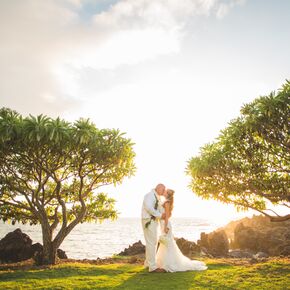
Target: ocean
(95,240)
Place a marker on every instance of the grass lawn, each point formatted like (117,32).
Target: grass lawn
(222,274)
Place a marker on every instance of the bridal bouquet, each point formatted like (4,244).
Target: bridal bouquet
(163,239)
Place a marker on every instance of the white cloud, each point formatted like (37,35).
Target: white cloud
(222,10)
(33,36)
(168,14)
(136,30)
(127,47)
(45,44)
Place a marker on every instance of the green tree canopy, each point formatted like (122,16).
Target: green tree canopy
(51,171)
(249,163)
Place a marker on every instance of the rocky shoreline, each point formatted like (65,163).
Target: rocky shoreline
(253,238)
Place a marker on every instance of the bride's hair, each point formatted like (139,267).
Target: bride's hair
(170,199)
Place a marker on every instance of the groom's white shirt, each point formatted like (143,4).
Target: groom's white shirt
(149,201)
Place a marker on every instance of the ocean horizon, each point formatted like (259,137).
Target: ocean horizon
(100,240)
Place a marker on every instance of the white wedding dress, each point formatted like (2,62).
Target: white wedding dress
(169,256)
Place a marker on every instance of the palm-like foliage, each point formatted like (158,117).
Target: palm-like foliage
(50,171)
(249,164)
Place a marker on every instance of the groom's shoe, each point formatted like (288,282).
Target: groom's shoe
(158,270)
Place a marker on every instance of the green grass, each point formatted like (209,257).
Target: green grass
(220,275)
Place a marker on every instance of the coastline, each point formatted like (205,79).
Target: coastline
(128,272)
(95,240)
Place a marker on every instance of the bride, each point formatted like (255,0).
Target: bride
(169,257)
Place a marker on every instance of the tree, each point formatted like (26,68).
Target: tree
(249,163)
(50,171)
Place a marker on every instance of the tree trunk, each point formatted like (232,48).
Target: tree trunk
(49,249)
(65,230)
(49,254)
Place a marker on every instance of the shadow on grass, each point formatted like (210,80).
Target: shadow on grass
(118,276)
(175,281)
(56,273)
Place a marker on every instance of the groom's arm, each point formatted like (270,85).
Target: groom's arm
(149,206)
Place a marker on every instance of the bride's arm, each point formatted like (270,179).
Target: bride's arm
(167,213)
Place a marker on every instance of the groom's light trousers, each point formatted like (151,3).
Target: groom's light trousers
(151,239)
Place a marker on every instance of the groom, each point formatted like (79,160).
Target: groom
(150,224)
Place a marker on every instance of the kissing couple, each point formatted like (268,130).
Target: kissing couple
(156,213)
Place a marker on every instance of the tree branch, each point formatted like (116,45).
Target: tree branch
(56,220)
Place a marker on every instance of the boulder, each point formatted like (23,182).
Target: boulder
(259,234)
(216,243)
(266,240)
(61,254)
(15,247)
(283,250)
(188,248)
(135,249)
(245,238)
(37,253)
(203,242)
(37,247)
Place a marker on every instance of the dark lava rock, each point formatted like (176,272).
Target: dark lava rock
(269,240)
(188,248)
(216,243)
(61,254)
(135,249)
(15,247)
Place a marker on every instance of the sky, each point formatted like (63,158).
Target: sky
(169,73)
